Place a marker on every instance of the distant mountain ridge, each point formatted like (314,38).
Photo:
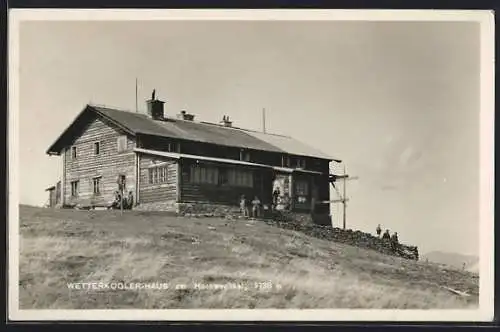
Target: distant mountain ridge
(453,259)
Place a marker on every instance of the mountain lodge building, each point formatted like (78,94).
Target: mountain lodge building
(178,164)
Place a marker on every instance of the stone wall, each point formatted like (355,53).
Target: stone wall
(170,206)
(191,209)
(207,210)
(287,216)
(218,210)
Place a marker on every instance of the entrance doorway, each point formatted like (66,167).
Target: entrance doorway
(282,192)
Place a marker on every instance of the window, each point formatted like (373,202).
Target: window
(244,155)
(239,178)
(302,191)
(285,161)
(122,143)
(74,188)
(96,184)
(158,174)
(97,148)
(223,176)
(73,152)
(204,174)
(301,163)
(123,180)
(151,175)
(173,147)
(317,164)
(163,174)
(302,188)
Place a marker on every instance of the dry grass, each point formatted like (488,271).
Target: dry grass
(63,246)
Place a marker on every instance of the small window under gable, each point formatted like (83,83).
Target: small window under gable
(73,152)
(122,143)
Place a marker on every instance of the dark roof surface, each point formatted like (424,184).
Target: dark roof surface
(138,123)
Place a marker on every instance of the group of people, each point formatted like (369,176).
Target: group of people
(253,208)
(393,239)
(255,205)
(278,199)
(128,202)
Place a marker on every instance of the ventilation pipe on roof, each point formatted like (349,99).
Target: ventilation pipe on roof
(183,115)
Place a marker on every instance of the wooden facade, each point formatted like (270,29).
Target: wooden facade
(157,179)
(228,183)
(93,162)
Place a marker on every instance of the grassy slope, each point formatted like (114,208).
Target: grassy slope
(451,259)
(60,246)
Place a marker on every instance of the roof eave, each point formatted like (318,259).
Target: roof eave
(52,152)
(56,148)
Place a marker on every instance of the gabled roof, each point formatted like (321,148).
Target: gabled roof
(137,123)
(289,144)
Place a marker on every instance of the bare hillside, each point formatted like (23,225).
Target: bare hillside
(214,263)
(452,259)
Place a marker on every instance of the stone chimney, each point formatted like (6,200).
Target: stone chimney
(225,121)
(155,108)
(183,115)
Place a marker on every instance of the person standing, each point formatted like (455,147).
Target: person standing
(394,237)
(243,206)
(130,200)
(256,207)
(276,195)
(394,242)
(379,230)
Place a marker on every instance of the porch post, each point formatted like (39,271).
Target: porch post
(137,171)
(63,182)
(178,183)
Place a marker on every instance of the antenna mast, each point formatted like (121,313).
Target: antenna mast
(264,120)
(342,197)
(344,201)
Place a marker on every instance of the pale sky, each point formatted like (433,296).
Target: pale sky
(398,102)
